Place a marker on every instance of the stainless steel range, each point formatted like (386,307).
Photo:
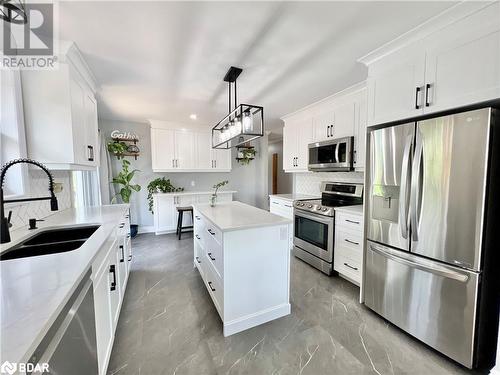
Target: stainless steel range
(315,223)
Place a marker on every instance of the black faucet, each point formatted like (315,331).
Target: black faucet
(4,229)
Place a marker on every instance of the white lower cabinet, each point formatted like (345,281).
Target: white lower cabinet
(110,274)
(348,246)
(284,208)
(165,208)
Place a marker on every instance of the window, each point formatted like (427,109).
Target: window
(85,189)
(12,140)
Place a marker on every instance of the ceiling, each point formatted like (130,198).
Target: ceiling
(166,60)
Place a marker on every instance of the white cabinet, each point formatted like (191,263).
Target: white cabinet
(297,135)
(178,149)
(455,63)
(323,124)
(165,208)
(348,245)
(284,208)
(360,132)
(60,114)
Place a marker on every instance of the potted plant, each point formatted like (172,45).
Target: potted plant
(245,155)
(160,185)
(213,198)
(117,148)
(124,181)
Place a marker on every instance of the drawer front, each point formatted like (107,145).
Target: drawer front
(350,222)
(280,210)
(347,267)
(214,286)
(199,257)
(213,232)
(214,255)
(349,244)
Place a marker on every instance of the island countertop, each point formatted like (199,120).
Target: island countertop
(34,290)
(229,216)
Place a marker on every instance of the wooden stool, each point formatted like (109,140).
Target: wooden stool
(181,211)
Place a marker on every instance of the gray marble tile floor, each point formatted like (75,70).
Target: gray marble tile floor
(168,325)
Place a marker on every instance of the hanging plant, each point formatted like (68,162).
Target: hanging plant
(245,155)
(160,185)
(117,148)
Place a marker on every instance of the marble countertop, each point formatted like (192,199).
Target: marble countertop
(34,290)
(236,215)
(357,210)
(198,192)
(293,197)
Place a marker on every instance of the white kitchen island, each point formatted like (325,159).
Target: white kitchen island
(243,257)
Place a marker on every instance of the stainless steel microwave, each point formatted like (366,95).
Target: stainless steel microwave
(331,155)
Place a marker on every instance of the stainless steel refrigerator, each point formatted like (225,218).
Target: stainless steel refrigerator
(430,231)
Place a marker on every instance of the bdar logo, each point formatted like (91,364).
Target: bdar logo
(8,368)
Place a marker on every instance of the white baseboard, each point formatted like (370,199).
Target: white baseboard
(146,229)
(253,320)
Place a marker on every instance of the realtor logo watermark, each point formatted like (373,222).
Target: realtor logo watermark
(31,45)
(23,368)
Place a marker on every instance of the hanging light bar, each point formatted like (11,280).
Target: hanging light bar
(242,124)
(13,11)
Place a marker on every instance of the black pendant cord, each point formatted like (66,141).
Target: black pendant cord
(235,96)
(229,85)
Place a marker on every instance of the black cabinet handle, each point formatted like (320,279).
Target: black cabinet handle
(354,243)
(130,257)
(352,221)
(351,267)
(197,217)
(112,269)
(198,237)
(210,231)
(211,287)
(427,89)
(90,150)
(417,92)
(122,225)
(198,260)
(123,254)
(210,256)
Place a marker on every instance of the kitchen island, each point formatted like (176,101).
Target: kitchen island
(243,257)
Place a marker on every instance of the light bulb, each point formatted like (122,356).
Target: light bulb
(227,132)
(247,122)
(237,126)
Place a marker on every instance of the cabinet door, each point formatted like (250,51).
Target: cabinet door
(305,136)
(103,322)
(323,124)
(222,159)
(165,217)
(464,66)
(78,121)
(162,149)
(204,159)
(392,87)
(184,150)
(344,120)
(360,133)
(289,147)
(91,132)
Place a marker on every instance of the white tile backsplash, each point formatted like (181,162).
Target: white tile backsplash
(310,183)
(38,187)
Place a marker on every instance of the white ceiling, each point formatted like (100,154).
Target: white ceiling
(166,60)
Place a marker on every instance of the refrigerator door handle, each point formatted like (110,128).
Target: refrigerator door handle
(420,264)
(403,196)
(415,196)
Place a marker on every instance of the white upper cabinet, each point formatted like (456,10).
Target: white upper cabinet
(297,135)
(360,132)
(451,61)
(345,117)
(323,124)
(176,148)
(60,109)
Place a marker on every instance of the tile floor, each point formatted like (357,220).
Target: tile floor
(168,325)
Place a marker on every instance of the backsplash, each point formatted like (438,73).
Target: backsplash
(310,183)
(39,183)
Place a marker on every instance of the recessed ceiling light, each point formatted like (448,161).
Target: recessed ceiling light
(193,116)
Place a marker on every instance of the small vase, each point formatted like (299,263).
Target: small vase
(213,200)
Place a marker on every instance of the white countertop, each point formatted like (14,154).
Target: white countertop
(197,192)
(34,290)
(235,215)
(357,210)
(293,197)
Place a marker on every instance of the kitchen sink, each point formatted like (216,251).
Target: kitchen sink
(51,241)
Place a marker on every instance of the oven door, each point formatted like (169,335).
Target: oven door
(332,155)
(314,234)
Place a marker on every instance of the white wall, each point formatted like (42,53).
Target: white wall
(249,180)
(310,183)
(285,180)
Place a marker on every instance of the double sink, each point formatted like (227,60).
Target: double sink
(51,241)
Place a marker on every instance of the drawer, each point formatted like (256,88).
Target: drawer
(349,221)
(214,256)
(213,232)
(215,287)
(281,211)
(348,242)
(347,267)
(199,257)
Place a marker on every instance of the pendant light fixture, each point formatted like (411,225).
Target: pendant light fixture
(243,123)
(13,11)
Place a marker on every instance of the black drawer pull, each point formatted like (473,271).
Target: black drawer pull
(198,260)
(123,254)
(354,243)
(130,257)
(198,237)
(210,256)
(351,267)
(112,269)
(210,231)
(197,217)
(211,287)
(352,221)
(122,225)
